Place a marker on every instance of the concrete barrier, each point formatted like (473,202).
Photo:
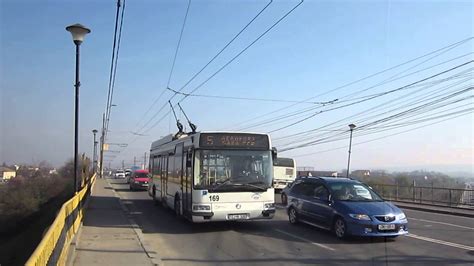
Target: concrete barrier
(54,247)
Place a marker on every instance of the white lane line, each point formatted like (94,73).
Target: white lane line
(304,239)
(435,222)
(441,242)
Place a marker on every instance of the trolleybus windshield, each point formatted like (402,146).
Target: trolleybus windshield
(233,169)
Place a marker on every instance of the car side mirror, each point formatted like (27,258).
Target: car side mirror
(274,153)
(327,199)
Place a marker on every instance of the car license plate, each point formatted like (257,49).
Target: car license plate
(241,216)
(386,227)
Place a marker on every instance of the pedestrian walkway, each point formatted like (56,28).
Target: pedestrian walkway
(107,236)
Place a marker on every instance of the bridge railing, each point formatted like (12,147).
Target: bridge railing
(450,197)
(53,248)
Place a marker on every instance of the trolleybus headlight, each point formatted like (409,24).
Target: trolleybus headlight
(201,207)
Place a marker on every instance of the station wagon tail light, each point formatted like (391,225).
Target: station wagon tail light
(201,207)
(363,217)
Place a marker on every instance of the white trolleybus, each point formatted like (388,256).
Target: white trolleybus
(284,172)
(214,176)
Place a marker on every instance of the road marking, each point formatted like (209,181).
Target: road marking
(441,242)
(435,222)
(304,239)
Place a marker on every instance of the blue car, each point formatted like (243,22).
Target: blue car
(345,206)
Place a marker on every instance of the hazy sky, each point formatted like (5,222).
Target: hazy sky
(321,46)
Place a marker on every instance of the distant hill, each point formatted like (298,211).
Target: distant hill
(459,171)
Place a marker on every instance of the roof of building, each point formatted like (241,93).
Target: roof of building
(6,169)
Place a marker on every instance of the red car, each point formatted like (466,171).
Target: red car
(139,180)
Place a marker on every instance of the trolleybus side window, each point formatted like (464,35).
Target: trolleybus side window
(156,167)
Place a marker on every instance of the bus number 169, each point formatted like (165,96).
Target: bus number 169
(214,198)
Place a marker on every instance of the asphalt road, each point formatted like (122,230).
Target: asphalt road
(434,239)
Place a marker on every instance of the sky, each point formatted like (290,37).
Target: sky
(311,53)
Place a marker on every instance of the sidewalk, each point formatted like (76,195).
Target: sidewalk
(106,236)
(435,209)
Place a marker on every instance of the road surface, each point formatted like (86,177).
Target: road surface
(434,239)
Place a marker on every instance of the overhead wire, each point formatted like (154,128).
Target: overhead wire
(391,117)
(245,98)
(179,44)
(392,102)
(338,101)
(383,137)
(371,98)
(112,63)
(205,65)
(142,131)
(229,62)
(137,133)
(389,103)
(319,135)
(362,79)
(115,66)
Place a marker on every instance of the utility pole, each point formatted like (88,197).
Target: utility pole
(144,163)
(351,126)
(134,160)
(94,153)
(123,165)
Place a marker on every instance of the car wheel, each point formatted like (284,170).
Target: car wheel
(284,199)
(340,228)
(292,216)
(177,206)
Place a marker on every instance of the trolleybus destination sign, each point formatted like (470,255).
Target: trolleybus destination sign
(234,140)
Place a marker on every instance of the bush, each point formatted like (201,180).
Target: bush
(24,195)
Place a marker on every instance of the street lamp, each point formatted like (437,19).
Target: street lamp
(351,127)
(78,33)
(94,155)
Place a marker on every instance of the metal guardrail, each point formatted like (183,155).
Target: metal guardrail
(54,247)
(448,197)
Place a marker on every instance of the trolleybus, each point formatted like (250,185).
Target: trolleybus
(214,176)
(284,172)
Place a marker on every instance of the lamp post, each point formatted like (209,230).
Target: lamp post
(78,33)
(102,139)
(351,127)
(94,155)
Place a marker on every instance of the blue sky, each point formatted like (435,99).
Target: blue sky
(320,46)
